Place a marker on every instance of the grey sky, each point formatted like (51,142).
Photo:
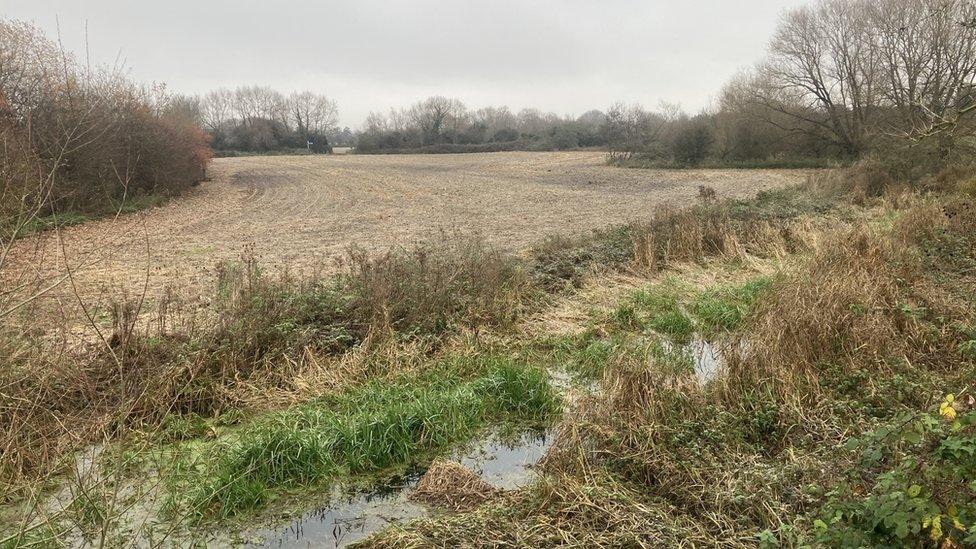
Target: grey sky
(565,56)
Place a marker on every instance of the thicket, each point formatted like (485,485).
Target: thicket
(75,138)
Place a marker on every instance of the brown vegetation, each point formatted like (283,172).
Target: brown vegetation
(95,138)
(450,485)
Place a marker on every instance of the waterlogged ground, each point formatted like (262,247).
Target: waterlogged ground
(504,462)
(677,321)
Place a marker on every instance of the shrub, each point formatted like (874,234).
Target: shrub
(96,138)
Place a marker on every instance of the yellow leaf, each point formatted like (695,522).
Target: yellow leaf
(954,514)
(958,524)
(936,533)
(949,543)
(947,411)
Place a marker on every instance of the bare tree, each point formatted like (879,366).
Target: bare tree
(855,69)
(253,102)
(822,61)
(457,118)
(494,119)
(632,130)
(314,114)
(929,54)
(399,119)
(430,116)
(216,109)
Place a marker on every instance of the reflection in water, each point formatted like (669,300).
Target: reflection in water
(706,356)
(506,464)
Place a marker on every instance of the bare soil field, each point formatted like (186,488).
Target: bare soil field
(296,212)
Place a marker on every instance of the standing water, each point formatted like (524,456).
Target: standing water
(504,463)
(706,356)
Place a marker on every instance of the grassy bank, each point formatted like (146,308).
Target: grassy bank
(841,416)
(843,316)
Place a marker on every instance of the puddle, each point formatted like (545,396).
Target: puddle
(706,356)
(508,464)
(505,463)
(347,519)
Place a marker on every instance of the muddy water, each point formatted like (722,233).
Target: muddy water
(505,463)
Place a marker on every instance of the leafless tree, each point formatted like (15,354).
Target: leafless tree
(253,102)
(217,108)
(824,67)
(632,129)
(928,51)
(855,69)
(494,119)
(313,113)
(430,116)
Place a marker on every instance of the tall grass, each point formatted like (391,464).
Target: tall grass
(823,416)
(269,331)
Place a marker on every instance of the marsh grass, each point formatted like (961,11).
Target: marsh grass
(372,429)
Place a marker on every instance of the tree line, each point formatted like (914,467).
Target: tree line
(886,77)
(841,79)
(445,124)
(260,118)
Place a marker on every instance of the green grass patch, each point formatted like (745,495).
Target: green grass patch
(375,428)
(584,356)
(48,222)
(658,309)
(672,310)
(723,308)
(73,217)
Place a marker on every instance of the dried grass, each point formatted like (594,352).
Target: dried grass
(860,302)
(709,230)
(450,485)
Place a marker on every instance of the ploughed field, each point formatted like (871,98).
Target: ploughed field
(301,212)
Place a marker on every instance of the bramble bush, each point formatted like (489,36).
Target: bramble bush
(914,483)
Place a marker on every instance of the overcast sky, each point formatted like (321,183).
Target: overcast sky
(566,56)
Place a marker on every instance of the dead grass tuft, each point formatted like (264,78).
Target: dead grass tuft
(450,485)
(860,302)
